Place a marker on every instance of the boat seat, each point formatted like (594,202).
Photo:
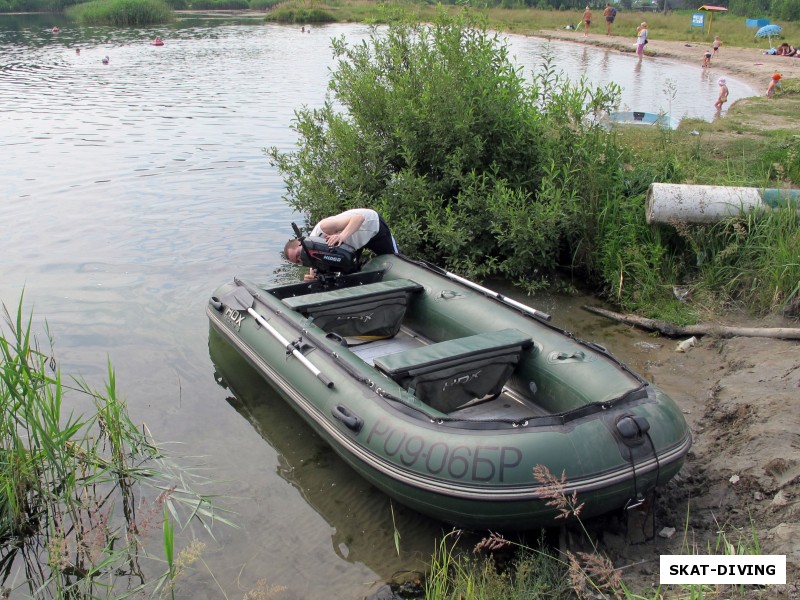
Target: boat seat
(368,310)
(446,375)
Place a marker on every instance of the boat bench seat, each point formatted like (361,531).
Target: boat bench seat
(368,310)
(446,375)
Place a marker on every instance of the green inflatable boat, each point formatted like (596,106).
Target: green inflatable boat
(447,395)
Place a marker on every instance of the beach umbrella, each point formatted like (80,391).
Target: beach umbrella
(768,31)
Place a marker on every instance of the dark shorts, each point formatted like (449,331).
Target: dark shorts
(383,241)
(609,19)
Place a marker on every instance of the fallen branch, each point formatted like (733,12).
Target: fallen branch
(672,330)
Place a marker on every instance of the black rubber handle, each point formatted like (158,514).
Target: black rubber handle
(350,420)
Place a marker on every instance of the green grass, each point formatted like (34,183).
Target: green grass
(487,572)
(674,26)
(456,574)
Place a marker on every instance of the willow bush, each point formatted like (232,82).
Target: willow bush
(491,173)
(475,166)
(288,14)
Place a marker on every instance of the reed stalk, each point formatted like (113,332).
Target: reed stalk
(64,477)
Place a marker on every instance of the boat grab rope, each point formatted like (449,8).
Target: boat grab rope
(638,498)
(559,419)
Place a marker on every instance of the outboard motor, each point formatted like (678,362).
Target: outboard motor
(328,259)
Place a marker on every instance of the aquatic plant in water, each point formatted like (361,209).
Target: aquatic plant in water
(79,495)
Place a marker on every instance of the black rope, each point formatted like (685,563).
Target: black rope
(658,479)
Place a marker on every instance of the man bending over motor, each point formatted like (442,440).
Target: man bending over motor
(358,227)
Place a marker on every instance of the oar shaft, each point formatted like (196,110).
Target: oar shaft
(295,352)
(531,311)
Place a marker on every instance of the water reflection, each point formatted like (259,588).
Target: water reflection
(362,520)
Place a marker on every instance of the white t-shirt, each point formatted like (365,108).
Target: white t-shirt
(364,233)
(642,36)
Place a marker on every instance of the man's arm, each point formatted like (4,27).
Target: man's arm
(339,228)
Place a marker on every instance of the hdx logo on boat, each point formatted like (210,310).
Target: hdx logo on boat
(464,379)
(235,317)
(365,317)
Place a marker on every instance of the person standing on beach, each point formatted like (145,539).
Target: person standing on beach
(723,94)
(610,13)
(641,39)
(587,21)
(717,44)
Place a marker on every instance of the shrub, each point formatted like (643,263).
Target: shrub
(220,5)
(264,4)
(788,10)
(749,8)
(300,15)
(474,166)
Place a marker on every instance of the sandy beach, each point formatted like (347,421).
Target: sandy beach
(749,65)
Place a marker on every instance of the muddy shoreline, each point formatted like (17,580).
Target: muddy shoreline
(740,397)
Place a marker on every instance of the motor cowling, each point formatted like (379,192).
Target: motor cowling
(328,259)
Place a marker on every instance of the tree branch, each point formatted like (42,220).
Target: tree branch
(672,330)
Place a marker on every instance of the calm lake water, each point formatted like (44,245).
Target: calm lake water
(130,190)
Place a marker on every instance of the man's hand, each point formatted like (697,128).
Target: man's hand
(335,239)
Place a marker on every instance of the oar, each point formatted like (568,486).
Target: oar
(524,308)
(241,299)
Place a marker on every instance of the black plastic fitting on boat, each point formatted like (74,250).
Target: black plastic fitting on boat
(633,428)
(351,421)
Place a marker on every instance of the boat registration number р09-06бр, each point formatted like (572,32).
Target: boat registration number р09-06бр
(477,463)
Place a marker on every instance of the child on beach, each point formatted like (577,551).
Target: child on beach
(717,44)
(641,39)
(723,94)
(707,58)
(773,83)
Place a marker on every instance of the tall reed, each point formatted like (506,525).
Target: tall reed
(121,13)
(74,515)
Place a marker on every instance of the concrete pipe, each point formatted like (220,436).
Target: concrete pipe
(668,202)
